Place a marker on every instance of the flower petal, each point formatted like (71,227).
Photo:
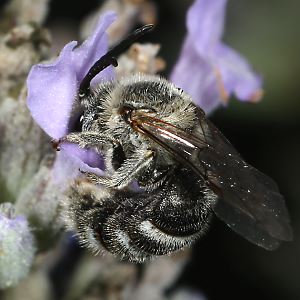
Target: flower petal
(196,77)
(207,69)
(52,90)
(92,49)
(237,75)
(205,23)
(71,159)
(52,95)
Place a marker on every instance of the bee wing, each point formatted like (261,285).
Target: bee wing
(249,201)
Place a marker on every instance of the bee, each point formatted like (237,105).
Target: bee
(168,170)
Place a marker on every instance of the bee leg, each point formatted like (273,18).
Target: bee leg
(127,172)
(88,139)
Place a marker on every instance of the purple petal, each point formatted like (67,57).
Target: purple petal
(51,93)
(205,23)
(92,49)
(196,76)
(52,88)
(71,159)
(237,75)
(207,69)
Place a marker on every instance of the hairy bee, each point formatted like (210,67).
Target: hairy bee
(152,135)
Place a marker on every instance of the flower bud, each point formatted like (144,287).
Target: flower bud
(17,247)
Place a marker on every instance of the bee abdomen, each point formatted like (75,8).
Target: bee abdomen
(169,223)
(135,226)
(149,238)
(183,219)
(117,240)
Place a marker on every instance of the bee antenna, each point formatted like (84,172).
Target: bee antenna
(110,58)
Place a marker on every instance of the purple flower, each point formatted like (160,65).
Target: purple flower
(207,69)
(52,96)
(17,246)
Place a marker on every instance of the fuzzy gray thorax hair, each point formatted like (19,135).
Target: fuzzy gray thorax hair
(169,103)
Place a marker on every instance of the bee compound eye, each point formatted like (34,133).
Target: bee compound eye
(76,122)
(126,113)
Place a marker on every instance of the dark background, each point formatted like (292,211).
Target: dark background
(224,265)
